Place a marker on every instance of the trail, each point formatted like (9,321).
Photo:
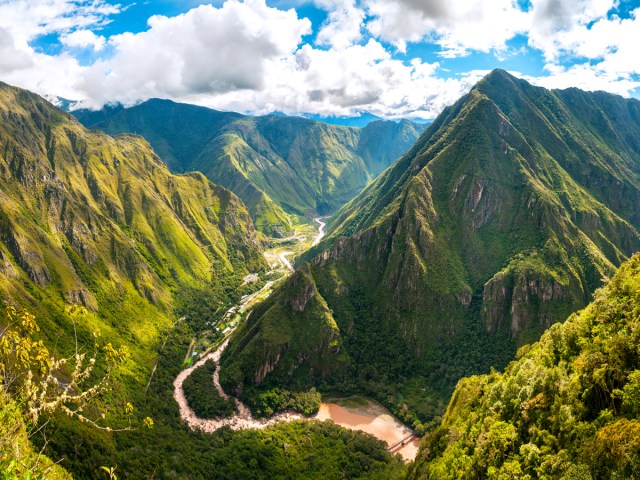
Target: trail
(243,419)
(285,261)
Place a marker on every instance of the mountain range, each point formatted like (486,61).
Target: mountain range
(279,166)
(501,220)
(510,212)
(89,219)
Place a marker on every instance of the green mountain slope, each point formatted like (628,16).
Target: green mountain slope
(84,214)
(500,221)
(92,219)
(278,165)
(89,219)
(568,407)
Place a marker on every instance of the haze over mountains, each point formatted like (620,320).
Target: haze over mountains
(278,165)
(503,219)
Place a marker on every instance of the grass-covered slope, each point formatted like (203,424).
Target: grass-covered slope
(90,219)
(568,407)
(86,217)
(278,165)
(473,243)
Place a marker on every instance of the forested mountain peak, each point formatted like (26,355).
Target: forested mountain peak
(501,220)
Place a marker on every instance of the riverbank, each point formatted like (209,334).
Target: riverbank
(358,413)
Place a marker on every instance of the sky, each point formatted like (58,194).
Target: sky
(392,58)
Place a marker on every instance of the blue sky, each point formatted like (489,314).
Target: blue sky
(394,58)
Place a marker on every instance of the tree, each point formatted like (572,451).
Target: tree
(41,383)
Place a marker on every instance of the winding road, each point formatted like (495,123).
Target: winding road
(243,419)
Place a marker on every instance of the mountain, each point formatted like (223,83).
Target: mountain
(501,220)
(279,166)
(364,119)
(98,220)
(567,407)
(83,213)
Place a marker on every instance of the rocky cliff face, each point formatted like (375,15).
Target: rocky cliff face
(479,238)
(289,345)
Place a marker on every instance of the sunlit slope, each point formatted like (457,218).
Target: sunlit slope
(279,166)
(501,220)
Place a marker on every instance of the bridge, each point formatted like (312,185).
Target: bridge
(401,443)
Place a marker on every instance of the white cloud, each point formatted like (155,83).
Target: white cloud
(605,45)
(250,57)
(344,81)
(22,21)
(344,24)
(11,58)
(206,50)
(585,77)
(28,19)
(556,25)
(84,39)
(458,26)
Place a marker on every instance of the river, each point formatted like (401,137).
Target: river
(366,416)
(321,226)
(373,418)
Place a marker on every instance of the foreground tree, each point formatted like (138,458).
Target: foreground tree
(34,383)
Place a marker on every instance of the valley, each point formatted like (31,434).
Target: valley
(469,309)
(368,416)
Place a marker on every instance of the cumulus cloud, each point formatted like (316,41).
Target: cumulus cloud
(585,77)
(28,19)
(345,81)
(206,50)
(251,57)
(557,25)
(11,58)
(458,26)
(22,21)
(344,23)
(84,39)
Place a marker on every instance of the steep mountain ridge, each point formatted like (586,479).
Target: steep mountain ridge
(279,166)
(100,221)
(473,243)
(155,257)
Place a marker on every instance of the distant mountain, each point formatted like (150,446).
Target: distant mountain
(501,220)
(567,407)
(360,121)
(279,166)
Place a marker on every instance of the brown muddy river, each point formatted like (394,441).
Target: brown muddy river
(374,419)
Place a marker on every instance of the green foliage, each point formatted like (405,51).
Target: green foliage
(486,233)
(300,450)
(279,166)
(18,459)
(202,396)
(270,402)
(566,408)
